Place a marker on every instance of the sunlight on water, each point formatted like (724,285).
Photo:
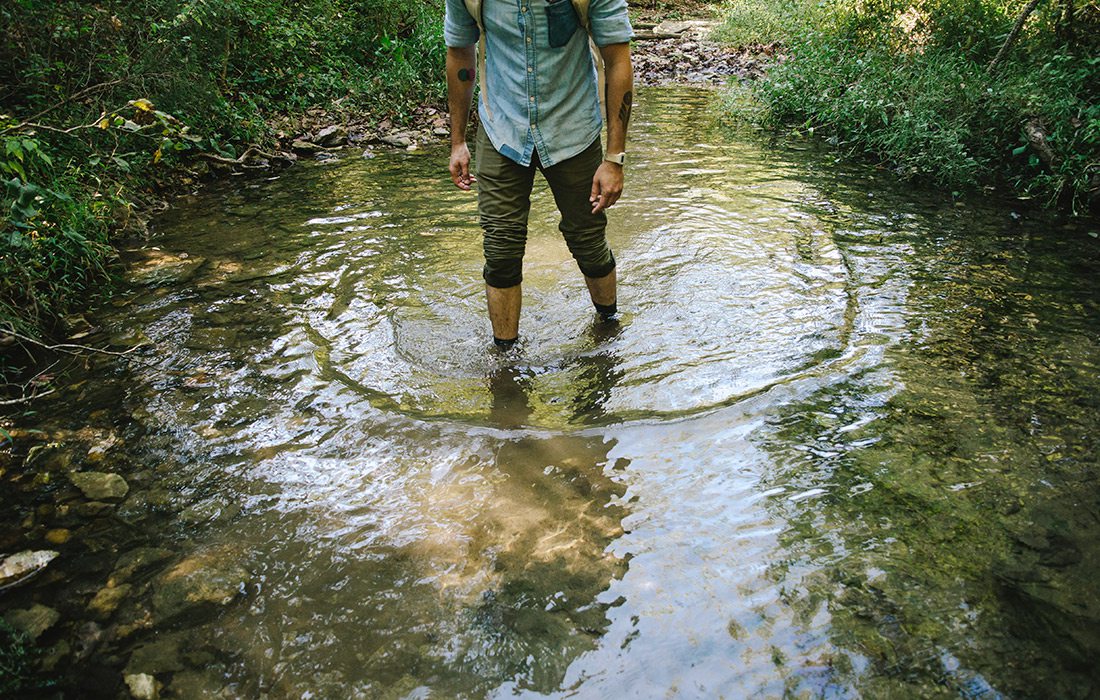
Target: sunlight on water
(833,447)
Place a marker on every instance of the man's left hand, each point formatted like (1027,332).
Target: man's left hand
(607,186)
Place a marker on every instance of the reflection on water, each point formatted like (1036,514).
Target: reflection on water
(842,441)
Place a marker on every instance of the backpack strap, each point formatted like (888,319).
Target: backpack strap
(581,6)
(476,8)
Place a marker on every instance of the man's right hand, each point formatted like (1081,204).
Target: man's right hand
(460,167)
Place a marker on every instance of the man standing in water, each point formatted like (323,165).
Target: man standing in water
(540,109)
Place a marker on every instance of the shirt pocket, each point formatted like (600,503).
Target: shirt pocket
(562,22)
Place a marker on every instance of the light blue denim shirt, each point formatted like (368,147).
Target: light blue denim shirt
(540,76)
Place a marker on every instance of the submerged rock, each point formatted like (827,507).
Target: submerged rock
(100,486)
(49,457)
(162,655)
(98,451)
(155,267)
(135,562)
(207,579)
(88,637)
(142,686)
(107,600)
(215,509)
(58,535)
(33,621)
(21,566)
(92,509)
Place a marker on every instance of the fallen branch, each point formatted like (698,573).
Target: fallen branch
(1011,39)
(71,348)
(26,399)
(250,152)
(75,96)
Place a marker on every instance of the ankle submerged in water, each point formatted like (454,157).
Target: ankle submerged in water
(503,344)
(606,311)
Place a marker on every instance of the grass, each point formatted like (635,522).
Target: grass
(912,89)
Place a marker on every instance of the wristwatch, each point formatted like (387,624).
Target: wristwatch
(617,158)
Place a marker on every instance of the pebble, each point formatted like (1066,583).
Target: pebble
(100,486)
(58,535)
(142,686)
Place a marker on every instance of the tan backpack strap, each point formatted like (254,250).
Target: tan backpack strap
(581,6)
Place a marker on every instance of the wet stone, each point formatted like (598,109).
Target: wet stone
(137,561)
(33,621)
(163,655)
(208,579)
(142,686)
(100,486)
(22,565)
(88,637)
(199,684)
(156,267)
(55,655)
(58,535)
(107,600)
(92,509)
(48,457)
(212,510)
(98,451)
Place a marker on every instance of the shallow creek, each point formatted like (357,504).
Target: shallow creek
(843,442)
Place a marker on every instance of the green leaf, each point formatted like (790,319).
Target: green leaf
(1019,150)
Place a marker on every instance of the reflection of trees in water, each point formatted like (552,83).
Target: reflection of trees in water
(958,530)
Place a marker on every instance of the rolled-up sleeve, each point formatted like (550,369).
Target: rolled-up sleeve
(459,28)
(609,22)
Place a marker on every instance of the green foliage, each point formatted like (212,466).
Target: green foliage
(16,669)
(910,85)
(746,22)
(208,75)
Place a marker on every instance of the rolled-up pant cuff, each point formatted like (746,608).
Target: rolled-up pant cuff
(598,271)
(501,280)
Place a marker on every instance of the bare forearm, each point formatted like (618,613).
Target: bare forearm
(460,90)
(620,94)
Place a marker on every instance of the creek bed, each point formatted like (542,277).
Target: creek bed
(842,442)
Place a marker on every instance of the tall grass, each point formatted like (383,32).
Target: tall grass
(909,84)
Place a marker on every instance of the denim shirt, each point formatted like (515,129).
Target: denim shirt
(540,76)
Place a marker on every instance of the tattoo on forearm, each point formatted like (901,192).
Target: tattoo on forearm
(466,75)
(624,109)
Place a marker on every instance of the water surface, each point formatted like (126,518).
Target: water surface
(842,442)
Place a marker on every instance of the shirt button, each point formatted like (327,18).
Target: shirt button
(530,69)
(528,40)
(532,98)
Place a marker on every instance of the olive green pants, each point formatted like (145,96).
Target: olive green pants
(504,202)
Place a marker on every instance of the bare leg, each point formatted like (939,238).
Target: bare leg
(602,289)
(504,306)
